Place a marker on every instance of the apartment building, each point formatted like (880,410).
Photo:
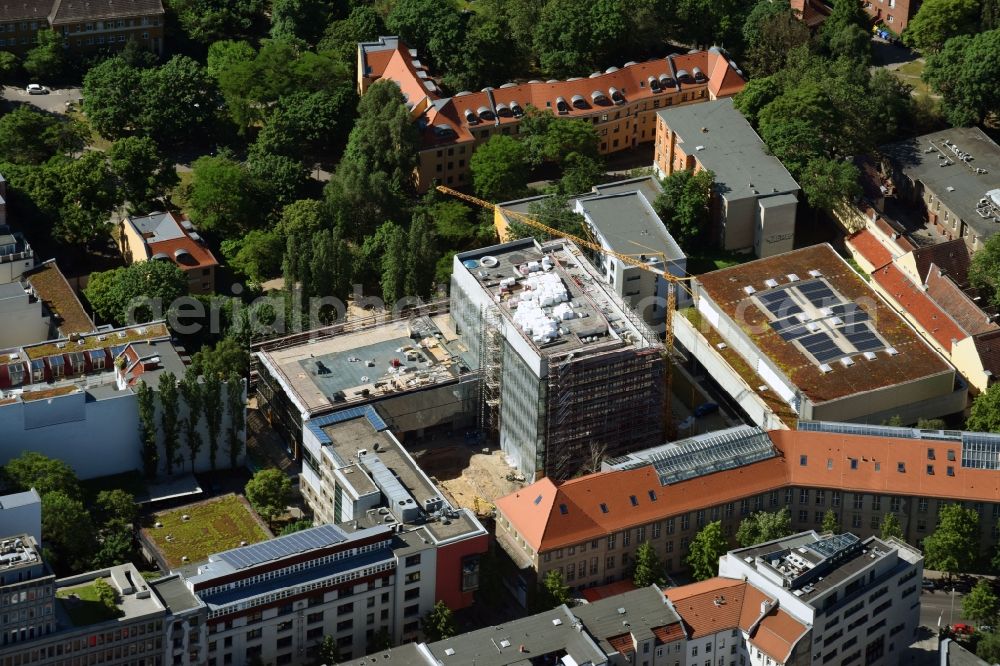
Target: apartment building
(620,217)
(953,177)
(619,102)
(412,365)
(589,527)
(801,335)
(929,287)
(72,630)
(894,14)
(84,26)
(26,591)
(16,255)
(567,369)
(755,199)
(21,513)
(356,471)
(860,596)
(74,398)
(24,319)
(169,237)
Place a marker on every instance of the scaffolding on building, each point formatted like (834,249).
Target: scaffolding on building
(490,369)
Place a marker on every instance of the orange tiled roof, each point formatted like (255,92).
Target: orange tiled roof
(622,643)
(916,303)
(201,256)
(951,257)
(988,346)
(593,594)
(669,633)
(720,604)
(870,247)
(829,459)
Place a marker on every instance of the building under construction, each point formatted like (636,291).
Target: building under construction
(568,373)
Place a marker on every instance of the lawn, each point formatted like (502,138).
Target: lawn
(712,259)
(213,526)
(910,73)
(86,608)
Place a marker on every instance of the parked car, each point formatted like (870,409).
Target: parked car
(705,408)
(963,629)
(929,585)
(36,89)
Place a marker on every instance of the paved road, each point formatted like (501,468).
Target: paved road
(54,102)
(938,604)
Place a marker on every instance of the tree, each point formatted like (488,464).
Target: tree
(327,651)
(439,623)
(648,568)
(553,212)
(571,37)
(685,204)
(988,647)
(937,21)
(143,174)
(28,136)
(500,168)
(764,526)
(310,126)
(116,544)
(145,400)
(207,21)
(580,174)
(304,215)
(110,88)
(708,545)
(984,415)
(117,504)
(299,19)
(280,179)
(8,65)
(211,403)
(47,60)
(557,140)
(169,417)
(962,73)
(256,254)
(433,28)
(981,604)
(223,196)
(236,407)
(984,270)
(954,545)
(829,184)
(890,528)
(67,530)
(931,424)
(269,492)
(375,175)
(137,293)
(44,474)
(422,245)
(297,526)
(830,522)
(844,34)
(395,263)
(226,357)
(772,31)
(190,389)
(551,592)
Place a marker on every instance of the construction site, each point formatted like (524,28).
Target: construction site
(568,372)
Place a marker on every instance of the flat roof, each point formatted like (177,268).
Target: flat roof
(557,278)
(156,227)
(49,284)
(913,359)
(521,641)
(174,594)
(628,223)
(959,186)
(722,140)
(383,359)
(16,500)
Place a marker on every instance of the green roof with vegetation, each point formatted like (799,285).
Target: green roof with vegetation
(84,605)
(212,526)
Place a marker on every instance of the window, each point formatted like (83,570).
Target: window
(803,460)
(609,563)
(819,517)
(803,496)
(611,541)
(413,560)
(835,498)
(951,455)
(656,530)
(254,634)
(652,495)
(803,516)
(632,498)
(951,471)
(901,467)
(894,504)
(820,497)
(854,463)
(412,577)
(856,520)
(930,470)
(922,505)
(877,503)
(313,618)
(930,454)
(859,502)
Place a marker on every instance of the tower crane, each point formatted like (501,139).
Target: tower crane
(673,281)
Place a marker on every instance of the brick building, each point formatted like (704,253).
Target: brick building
(620,102)
(85,26)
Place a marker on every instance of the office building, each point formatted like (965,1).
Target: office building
(620,217)
(568,372)
(85,27)
(754,198)
(953,177)
(802,336)
(619,102)
(21,513)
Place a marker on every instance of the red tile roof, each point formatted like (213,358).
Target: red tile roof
(622,643)
(950,298)
(829,459)
(988,346)
(892,232)
(870,247)
(593,594)
(669,633)
(918,305)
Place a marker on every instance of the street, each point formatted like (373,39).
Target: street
(939,604)
(54,102)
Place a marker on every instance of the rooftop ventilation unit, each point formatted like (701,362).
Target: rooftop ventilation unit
(815,273)
(891,351)
(792,277)
(847,361)
(770,283)
(871,356)
(748,290)
(825,368)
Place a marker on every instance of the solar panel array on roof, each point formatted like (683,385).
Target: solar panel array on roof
(693,458)
(821,346)
(790,329)
(863,338)
(275,549)
(817,293)
(779,303)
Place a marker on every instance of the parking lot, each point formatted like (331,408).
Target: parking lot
(53,102)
